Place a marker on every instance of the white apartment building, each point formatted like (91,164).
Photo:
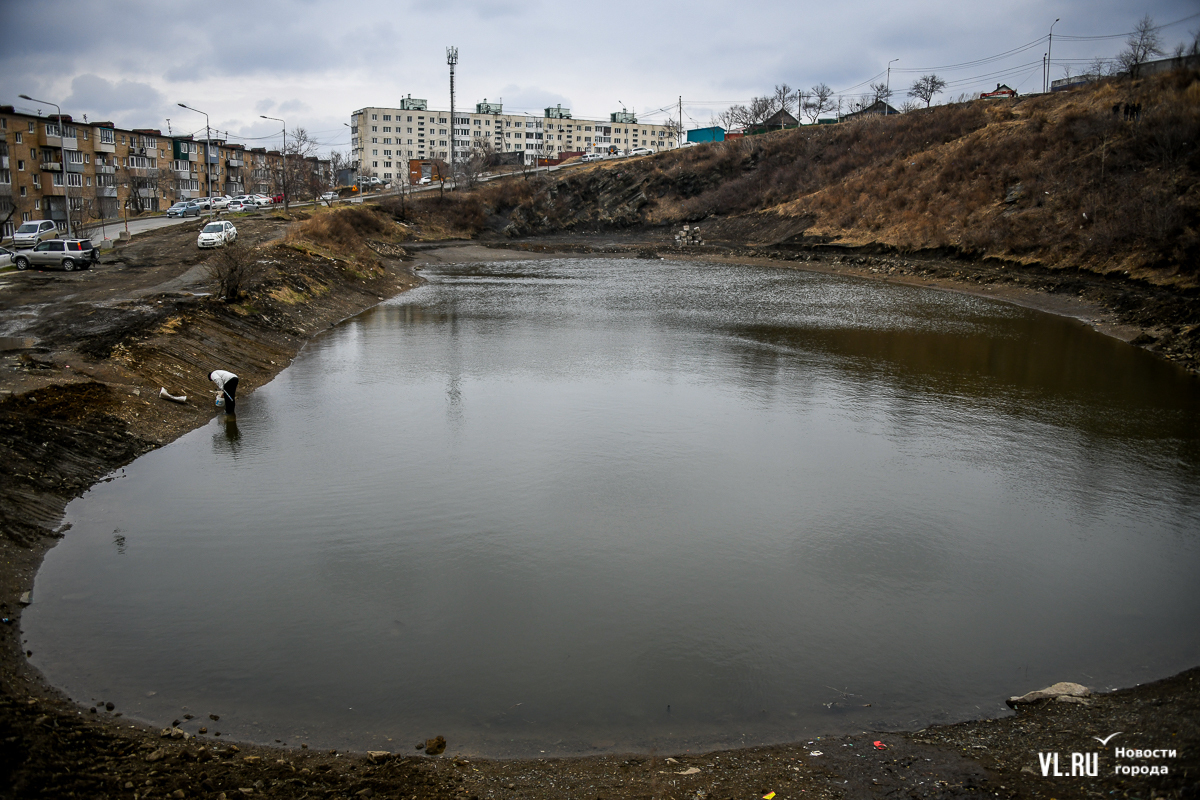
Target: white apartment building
(383,140)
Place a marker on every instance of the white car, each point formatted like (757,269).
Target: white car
(425,181)
(216,234)
(6,257)
(236,205)
(592,157)
(261,200)
(219,202)
(641,151)
(329,196)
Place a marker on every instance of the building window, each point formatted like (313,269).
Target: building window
(37,205)
(374,163)
(374,129)
(387,128)
(387,117)
(374,116)
(374,140)
(32,129)
(18,135)
(20,165)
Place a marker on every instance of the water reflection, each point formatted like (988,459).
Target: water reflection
(533,505)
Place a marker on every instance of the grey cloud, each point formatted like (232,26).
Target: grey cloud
(263,106)
(102,98)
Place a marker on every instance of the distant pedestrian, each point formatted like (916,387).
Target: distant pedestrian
(227,383)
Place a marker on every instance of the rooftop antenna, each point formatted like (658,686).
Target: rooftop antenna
(168,124)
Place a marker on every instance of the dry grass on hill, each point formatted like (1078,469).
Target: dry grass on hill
(1059,179)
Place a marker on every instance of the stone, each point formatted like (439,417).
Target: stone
(109,706)
(26,599)
(251,759)
(178,794)
(1049,693)
(1070,698)
(435,746)
(157,755)
(213,717)
(378,755)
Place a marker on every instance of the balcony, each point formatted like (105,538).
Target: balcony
(74,166)
(235,163)
(105,169)
(106,191)
(103,147)
(51,166)
(68,142)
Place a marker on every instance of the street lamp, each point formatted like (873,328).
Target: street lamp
(1049,50)
(63,149)
(888,87)
(285,197)
(207,146)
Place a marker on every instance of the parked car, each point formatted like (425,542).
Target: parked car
(65,253)
(592,157)
(184,209)
(30,233)
(277,198)
(329,196)
(641,151)
(217,234)
(425,181)
(204,203)
(237,205)
(6,257)
(220,201)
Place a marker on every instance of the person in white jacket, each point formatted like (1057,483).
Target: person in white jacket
(227,382)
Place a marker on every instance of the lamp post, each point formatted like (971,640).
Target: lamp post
(63,149)
(285,155)
(207,146)
(888,87)
(1049,50)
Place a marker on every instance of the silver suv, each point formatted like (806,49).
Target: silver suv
(65,253)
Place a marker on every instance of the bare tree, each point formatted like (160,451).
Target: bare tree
(1099,67)
(925,87)
(908,106)
(475,162)
(880,91)
(674,130)
(782,99)
(1142,45)
(818,102)
(235,268)
(145,185)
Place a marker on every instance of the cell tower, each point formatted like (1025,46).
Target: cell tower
(451,59)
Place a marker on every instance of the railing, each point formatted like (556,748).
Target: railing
(51,166)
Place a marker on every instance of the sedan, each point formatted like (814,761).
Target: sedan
(184,210)
(329,196)
(238,205)
(261,200)
(216,234)
(277,198)
(641,151)
(203,202)
(219,202)
(6,257)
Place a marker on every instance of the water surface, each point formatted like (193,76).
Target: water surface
(575,505)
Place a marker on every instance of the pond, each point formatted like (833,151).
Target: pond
(583,505)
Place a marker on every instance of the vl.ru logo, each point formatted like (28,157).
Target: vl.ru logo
(1083,765)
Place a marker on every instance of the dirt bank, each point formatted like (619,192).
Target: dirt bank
(80,398)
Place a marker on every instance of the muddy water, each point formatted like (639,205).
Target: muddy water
(581,505)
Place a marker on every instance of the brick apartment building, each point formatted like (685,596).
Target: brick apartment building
(112,171)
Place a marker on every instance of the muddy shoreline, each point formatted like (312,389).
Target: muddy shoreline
(60,401)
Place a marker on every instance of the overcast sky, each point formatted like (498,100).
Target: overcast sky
(313,63)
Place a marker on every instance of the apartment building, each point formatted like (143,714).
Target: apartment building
(383,140)
(109,171)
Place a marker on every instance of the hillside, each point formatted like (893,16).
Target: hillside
(1059,181)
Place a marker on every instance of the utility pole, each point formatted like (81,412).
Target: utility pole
(207,146)
(452,59)
(63,150)
(888,88)
(1049,50)
(285,156)
(679,136)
